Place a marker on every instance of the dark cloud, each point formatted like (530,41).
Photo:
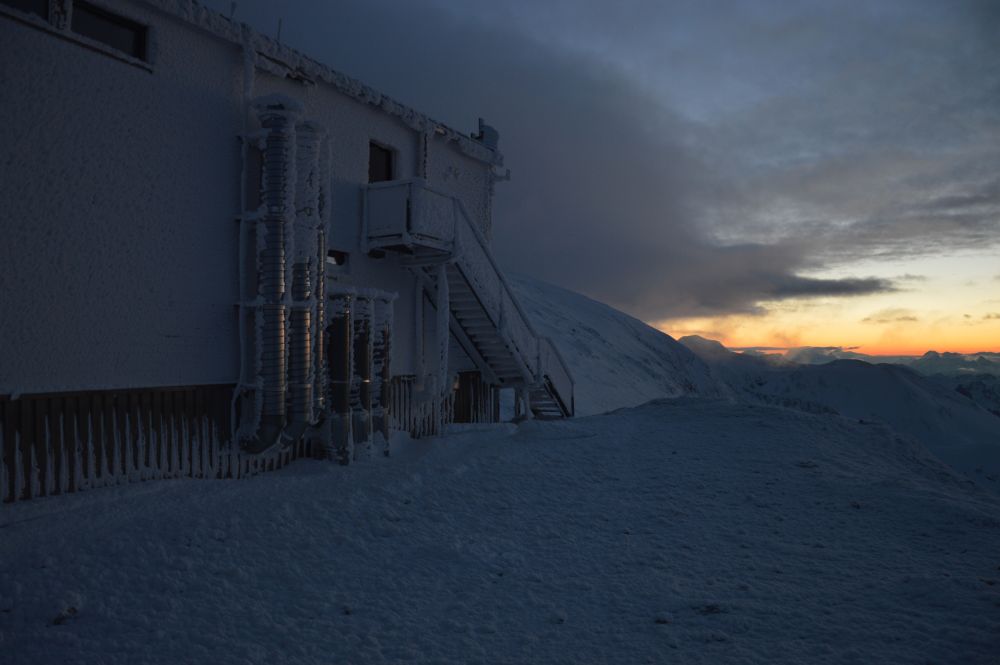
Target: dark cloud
(991,316)
(679,159)
(891,315)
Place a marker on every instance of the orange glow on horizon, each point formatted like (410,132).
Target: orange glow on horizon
(952,305)
(780,332)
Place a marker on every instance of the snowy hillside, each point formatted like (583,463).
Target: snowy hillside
(617,360)
(983,389)
(951,425)
(690,531)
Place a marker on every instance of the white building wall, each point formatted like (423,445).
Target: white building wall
(463,177)
(104,285)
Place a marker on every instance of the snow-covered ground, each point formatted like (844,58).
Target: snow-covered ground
(709,528)
(694,531)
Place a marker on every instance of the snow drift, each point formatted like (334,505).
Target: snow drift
(617,361)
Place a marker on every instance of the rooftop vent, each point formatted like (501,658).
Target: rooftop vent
(487,135)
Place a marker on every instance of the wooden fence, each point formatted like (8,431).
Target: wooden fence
(67,442)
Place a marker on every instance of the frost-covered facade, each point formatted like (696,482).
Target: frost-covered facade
(219,255)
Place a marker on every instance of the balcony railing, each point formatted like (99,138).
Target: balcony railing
(405,214)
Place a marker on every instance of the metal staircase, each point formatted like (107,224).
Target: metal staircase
(431,229)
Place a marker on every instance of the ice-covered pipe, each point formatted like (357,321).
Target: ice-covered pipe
(277,117)
(361,394)
(303,241)
(300,354)
(320,372)
(381,370)
(339,342)
(443,306)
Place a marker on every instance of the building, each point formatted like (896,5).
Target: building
(219,255)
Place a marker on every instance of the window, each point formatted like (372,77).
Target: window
(88,25)
(336,257)
(116,31)
(379,163)
(36,7)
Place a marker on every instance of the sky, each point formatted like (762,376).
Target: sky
(763,173)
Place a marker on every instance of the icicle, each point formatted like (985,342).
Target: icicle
(76,447)
(183,446)
(143,445)
(197,446)
(33,472)
(18,469)
(117,438)
(3,468)
(206,448)
(130,470)
(50,474)
(106,436)
(161,449)
(91,479)
(62,477)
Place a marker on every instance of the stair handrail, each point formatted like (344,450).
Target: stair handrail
(464,216)
(510,292)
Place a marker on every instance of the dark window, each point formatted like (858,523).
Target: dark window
(37,7)
(379,163)
(116,31)
(338,257)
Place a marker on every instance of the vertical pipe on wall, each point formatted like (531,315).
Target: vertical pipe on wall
(387,324)
(303,240)
(443,334)
(338,354)
(380,371)
(319,325)
(361,381)
(276,116)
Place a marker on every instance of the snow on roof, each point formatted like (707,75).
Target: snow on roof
(281,59)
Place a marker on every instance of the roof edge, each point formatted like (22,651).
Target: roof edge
(303,67)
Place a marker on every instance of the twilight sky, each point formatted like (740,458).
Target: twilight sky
(765,173)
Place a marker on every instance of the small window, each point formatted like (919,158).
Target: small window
(379,163)
(336,257)
(36,7)
(116,31)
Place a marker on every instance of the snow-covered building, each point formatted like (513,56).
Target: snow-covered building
(219,255)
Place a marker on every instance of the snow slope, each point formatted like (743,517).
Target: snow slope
(983,389)
(616,360)
(951,425)
(690,531)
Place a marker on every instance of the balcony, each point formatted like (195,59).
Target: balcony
(408,217)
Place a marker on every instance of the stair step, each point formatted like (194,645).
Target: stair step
(482,331)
